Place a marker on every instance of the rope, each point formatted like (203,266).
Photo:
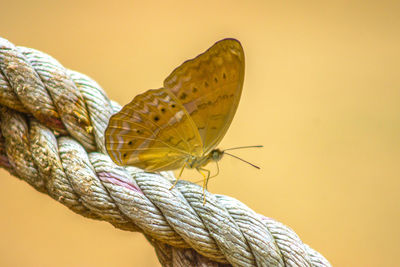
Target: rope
(52,122)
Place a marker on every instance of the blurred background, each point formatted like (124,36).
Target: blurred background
(321,93)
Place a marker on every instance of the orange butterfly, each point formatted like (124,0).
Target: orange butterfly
(180,125)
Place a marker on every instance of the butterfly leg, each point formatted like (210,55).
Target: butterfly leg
(217,171)
(179,176)
(212,176)
(205,181)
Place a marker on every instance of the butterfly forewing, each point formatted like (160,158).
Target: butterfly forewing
(209,87)
(162,129)
(153,132)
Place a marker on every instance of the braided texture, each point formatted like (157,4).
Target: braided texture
(52,122)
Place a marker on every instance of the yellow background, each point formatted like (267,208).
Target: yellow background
(321,93)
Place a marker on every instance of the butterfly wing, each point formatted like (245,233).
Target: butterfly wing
(153,132)
(209,87)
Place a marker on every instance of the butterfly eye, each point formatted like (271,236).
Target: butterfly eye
(173,105)
(124,155)
(215,155)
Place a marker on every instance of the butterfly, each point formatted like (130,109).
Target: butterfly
(180,124)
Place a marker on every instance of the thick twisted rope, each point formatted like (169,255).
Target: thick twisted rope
(52,124)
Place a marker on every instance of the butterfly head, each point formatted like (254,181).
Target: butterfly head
(216,154)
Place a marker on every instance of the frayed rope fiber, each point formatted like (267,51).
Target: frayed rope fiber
(52,122)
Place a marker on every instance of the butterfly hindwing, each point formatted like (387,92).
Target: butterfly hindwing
(153,132)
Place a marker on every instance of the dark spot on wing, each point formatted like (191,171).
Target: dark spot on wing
(206,84)
(156,118)
(130,143)
(173,105)
(215,79)
(183,96)
(224,75)
(163,110)
(194,90)
(124,155)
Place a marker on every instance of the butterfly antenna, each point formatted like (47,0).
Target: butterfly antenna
(240,147)
(242,160)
